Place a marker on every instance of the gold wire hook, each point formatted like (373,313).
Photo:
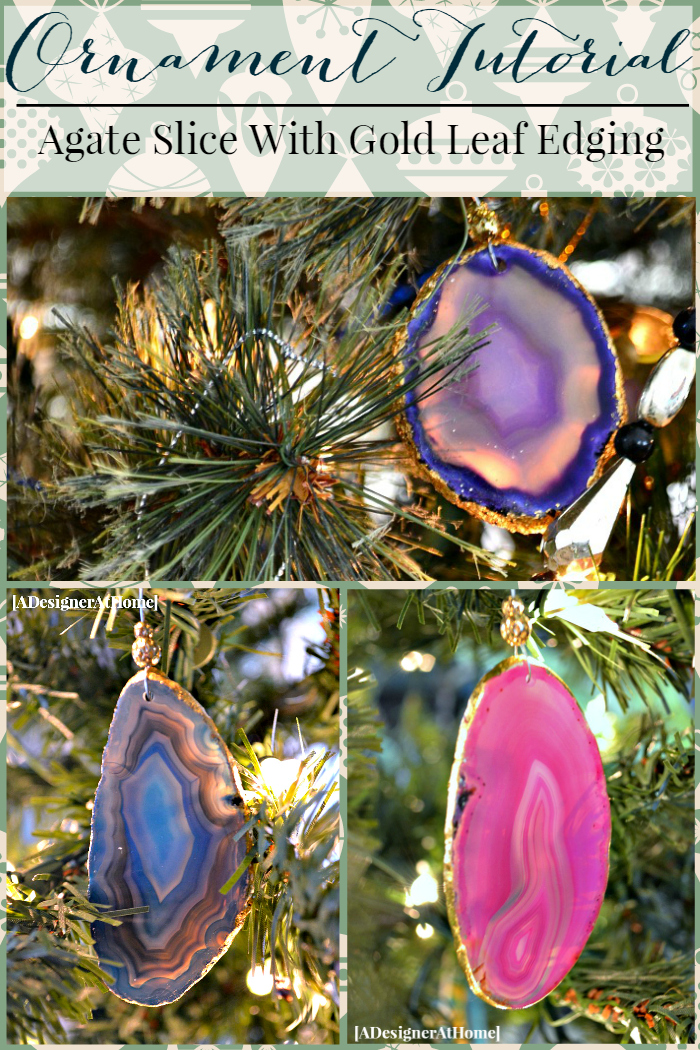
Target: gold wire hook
(484,229)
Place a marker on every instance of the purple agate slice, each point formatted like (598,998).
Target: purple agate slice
(521,432)
(528,833)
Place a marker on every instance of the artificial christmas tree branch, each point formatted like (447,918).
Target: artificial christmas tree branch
(642,638)
(340,234)
(230,435)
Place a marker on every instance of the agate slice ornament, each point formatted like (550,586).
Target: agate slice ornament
(527,424)
(527,835)
(165,836)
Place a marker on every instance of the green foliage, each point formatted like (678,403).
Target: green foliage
(294,920)
(647,639)
(637,969)
(364,745)
(346,236)
(634,980)
(323,235)
(655,998)
(41,963)
(67,669)
(260,469)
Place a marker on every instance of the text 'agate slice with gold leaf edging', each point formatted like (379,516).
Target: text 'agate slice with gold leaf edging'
(527,835)
(164,829)
(526,423)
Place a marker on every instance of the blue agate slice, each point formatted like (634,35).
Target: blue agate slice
(163,837)
(523,428)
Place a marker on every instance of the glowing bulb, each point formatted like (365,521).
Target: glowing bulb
(210,319)
(424,890)
(260,980)
(412,661)
(318,1001)
(601,722)
(29,326)
(424,930)
(279,776)
(427,662)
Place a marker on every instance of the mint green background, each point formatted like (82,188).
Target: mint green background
(265,27)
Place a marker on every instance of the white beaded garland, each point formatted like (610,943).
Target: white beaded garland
(581,533)
(578,537)
(667,387)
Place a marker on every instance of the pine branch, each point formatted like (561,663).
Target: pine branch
(647,637)
(322,235)
(294,866)
(218,450)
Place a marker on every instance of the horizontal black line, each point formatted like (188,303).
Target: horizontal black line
(355,105)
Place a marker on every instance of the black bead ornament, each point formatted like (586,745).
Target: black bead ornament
(684,328)
(635,441)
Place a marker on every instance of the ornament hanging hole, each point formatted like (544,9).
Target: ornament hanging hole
(499,265)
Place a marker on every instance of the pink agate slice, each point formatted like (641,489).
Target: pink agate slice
(529,822)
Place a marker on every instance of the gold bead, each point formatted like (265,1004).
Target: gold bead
(144,650)
(513,607)
(515,630)
(483,223)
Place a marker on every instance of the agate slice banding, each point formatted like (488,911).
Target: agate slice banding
(163,837)
(528,425)
(527,835)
